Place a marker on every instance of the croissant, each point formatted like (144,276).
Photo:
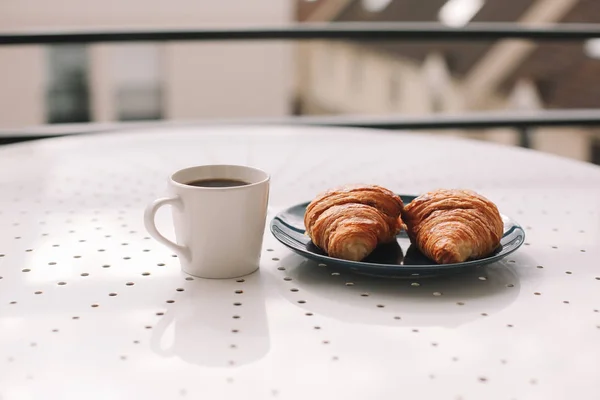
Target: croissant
(349,222)
(452,226)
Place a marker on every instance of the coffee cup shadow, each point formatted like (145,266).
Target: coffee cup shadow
(444,301)
(216,323)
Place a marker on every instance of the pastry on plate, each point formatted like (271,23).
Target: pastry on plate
(349,222)
(452,225)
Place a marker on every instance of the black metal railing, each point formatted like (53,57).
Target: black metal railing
(396,31)
(413,31)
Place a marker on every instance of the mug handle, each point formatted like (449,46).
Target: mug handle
(149,222)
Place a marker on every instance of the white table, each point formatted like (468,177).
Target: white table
(92,308)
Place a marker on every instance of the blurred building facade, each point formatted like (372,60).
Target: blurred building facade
(422,78)
(194,80)
(141,81)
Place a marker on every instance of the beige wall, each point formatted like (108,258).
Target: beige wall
(22,76)
(102,83)
(350,79)
(566,142)
(32,14)
(221,80)
(217,79)
(331,87)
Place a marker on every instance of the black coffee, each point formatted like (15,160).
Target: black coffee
(217,183)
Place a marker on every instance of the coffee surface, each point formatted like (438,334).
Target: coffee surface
(217,183)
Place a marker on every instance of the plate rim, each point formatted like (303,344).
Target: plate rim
(361,264)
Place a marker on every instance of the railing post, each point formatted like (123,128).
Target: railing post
(524,137)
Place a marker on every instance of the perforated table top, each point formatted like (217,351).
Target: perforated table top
(92,308)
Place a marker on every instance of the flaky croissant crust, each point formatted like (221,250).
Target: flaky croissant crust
(453,225)
(348,222)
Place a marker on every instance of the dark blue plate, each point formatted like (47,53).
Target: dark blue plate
(398,259)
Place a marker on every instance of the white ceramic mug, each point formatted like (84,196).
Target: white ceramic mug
(219,230)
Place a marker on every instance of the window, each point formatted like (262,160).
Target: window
(67,93)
